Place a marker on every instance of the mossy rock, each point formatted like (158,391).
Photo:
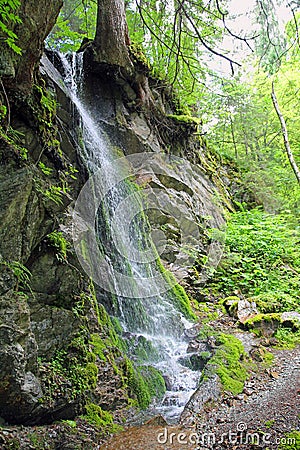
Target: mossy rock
(229,363)
(185,119)
(96,416)
(268,324)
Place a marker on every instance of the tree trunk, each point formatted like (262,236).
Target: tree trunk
(285,135)
(38,17)
(111,40)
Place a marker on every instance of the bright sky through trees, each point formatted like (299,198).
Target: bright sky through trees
(241,21)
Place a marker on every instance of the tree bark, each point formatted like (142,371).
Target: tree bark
(112,40)
(285,136)
(38,17)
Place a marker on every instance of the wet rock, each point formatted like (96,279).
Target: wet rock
(157,420)
(168,382)
(209,390)
(191,333)
(195,361)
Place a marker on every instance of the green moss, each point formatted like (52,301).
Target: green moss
(154,381)
(268,358)
(91,375)
(275,302)
(285,330)
(138,55)
(177,293)
(261,320)
(136,384)
(142,350)
(96,416)
(98,346)
(228,362)
(185,119)
(291,441)
(231,304)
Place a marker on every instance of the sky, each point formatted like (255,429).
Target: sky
(243,25)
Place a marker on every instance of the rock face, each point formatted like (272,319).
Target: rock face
(51,359)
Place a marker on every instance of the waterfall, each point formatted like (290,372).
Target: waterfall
(125,257)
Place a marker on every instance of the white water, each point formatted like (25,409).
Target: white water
(152,316)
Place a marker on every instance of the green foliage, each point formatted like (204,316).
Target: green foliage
(12,137)
(244,126)
(22,274)
(276,301)
(70,373)
(291,441)
(57,240)
(46,170)
(287,338)
(261,260)
(73,25)
(8,18)
(47,110)
(54,193)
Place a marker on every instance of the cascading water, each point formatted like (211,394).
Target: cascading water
(144,312)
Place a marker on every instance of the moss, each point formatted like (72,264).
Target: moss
(177,294)
(91,375)
(136,384)
(143,350)
(96,416)
(231,305)
(269,423)
(275,302)
(154,381)
(268,358)
(185,119)
(138,56)
(98,346)
(291,441)
(272,321)
(261,321)
(228,363)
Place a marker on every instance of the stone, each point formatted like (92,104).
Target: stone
(157,420)
(209,390)
(246,310)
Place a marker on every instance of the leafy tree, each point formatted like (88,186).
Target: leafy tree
(76,21)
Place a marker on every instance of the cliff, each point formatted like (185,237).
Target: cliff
(61,354)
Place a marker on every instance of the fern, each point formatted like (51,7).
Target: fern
(8,17)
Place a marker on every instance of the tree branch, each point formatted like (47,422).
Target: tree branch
(285,135)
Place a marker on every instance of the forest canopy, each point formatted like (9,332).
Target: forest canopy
(220,62)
